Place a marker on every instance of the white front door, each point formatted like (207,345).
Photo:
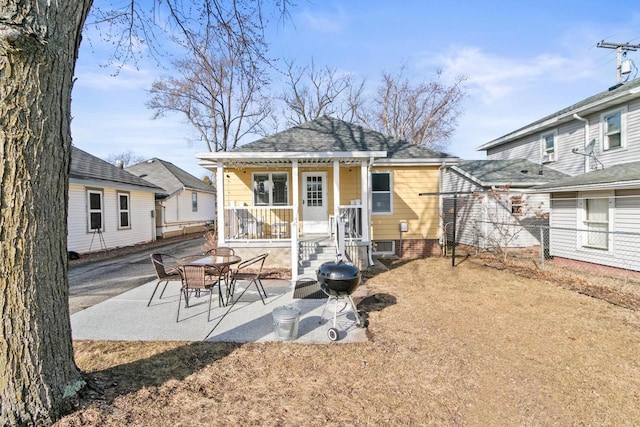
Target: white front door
(315,212)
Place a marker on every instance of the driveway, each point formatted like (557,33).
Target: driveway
(93,282)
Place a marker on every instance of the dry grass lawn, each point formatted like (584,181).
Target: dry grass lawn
(469,345)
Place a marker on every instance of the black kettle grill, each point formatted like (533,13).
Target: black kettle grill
(339,280)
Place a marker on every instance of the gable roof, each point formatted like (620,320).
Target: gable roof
(598,102)
(85,166)
(168,176)
(625,175)
(326,139)
(517,173)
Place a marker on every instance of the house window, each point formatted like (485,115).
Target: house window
(194,202)
(613,129)
(123,211)
(517,207)
(383,247)
(596,222)
(548,142)
(381,192)
(271,189)
(95,210)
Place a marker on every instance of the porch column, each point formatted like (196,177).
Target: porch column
(336,193)
(294,222)
(220,201)
(365,191)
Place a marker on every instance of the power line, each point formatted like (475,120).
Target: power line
(620,48)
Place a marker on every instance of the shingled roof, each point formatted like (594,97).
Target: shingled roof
(328,134)
(622,175)
(168,176)
(85,166)
(517,173)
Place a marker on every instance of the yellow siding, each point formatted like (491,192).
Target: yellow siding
(419,212)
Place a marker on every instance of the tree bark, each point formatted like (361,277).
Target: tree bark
(39,42)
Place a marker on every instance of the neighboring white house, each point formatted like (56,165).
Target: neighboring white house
(108,207)
(186,204)
(594,212)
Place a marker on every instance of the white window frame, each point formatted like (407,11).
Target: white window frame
(390,192)
(270,188)
(121,211)
(583,223)
(90,211)
(551,155)
(623,128)
(393,247)
(194,201)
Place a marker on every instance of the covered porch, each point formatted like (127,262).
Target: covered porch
(270,201)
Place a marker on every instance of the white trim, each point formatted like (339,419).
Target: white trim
(304,155)
(120,211)
(390,173)
(553,155)
(88,192)
(623,128)
(583,196)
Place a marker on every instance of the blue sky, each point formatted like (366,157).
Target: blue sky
(523,60)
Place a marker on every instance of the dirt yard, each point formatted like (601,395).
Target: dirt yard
(470,345)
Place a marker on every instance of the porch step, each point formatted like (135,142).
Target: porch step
(314,253)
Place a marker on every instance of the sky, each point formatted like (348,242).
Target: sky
(523,60)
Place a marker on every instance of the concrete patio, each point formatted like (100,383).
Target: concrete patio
(126,317)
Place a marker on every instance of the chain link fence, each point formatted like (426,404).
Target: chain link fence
(543,243)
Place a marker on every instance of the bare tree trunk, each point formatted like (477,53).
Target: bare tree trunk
(39,43)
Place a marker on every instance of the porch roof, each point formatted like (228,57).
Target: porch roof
(322,141)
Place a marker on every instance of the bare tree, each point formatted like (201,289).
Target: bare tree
(39,43)
(124,159)
(219,89)
(424,113)
(313,92)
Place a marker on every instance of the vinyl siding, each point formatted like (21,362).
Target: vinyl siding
(624,250)
(570,136)
(79,239)
(419,212)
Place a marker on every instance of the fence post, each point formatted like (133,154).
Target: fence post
(542,246)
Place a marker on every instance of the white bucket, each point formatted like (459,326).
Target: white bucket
(285,322)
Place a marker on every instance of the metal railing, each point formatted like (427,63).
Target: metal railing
(243,223)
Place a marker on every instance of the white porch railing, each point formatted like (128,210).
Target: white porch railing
(257,222)
(351,217)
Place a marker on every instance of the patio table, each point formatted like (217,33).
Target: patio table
(215,265)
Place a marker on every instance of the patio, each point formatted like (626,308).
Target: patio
(126,317)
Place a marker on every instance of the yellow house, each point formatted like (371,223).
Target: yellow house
(328,181)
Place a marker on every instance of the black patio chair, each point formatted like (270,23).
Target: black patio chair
(250,270)
(164,272)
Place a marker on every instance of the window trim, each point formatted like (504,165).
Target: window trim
(393,247)
(269,190)
(121,211)
(623,128)
(194,201)
(390,192)
(583,240)
(100,192)
(543,146)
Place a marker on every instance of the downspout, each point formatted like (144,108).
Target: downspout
(586,138)
(369,210)
(440,202)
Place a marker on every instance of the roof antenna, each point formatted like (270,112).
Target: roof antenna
(589,151)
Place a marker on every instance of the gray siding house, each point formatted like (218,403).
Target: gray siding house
(594,211)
